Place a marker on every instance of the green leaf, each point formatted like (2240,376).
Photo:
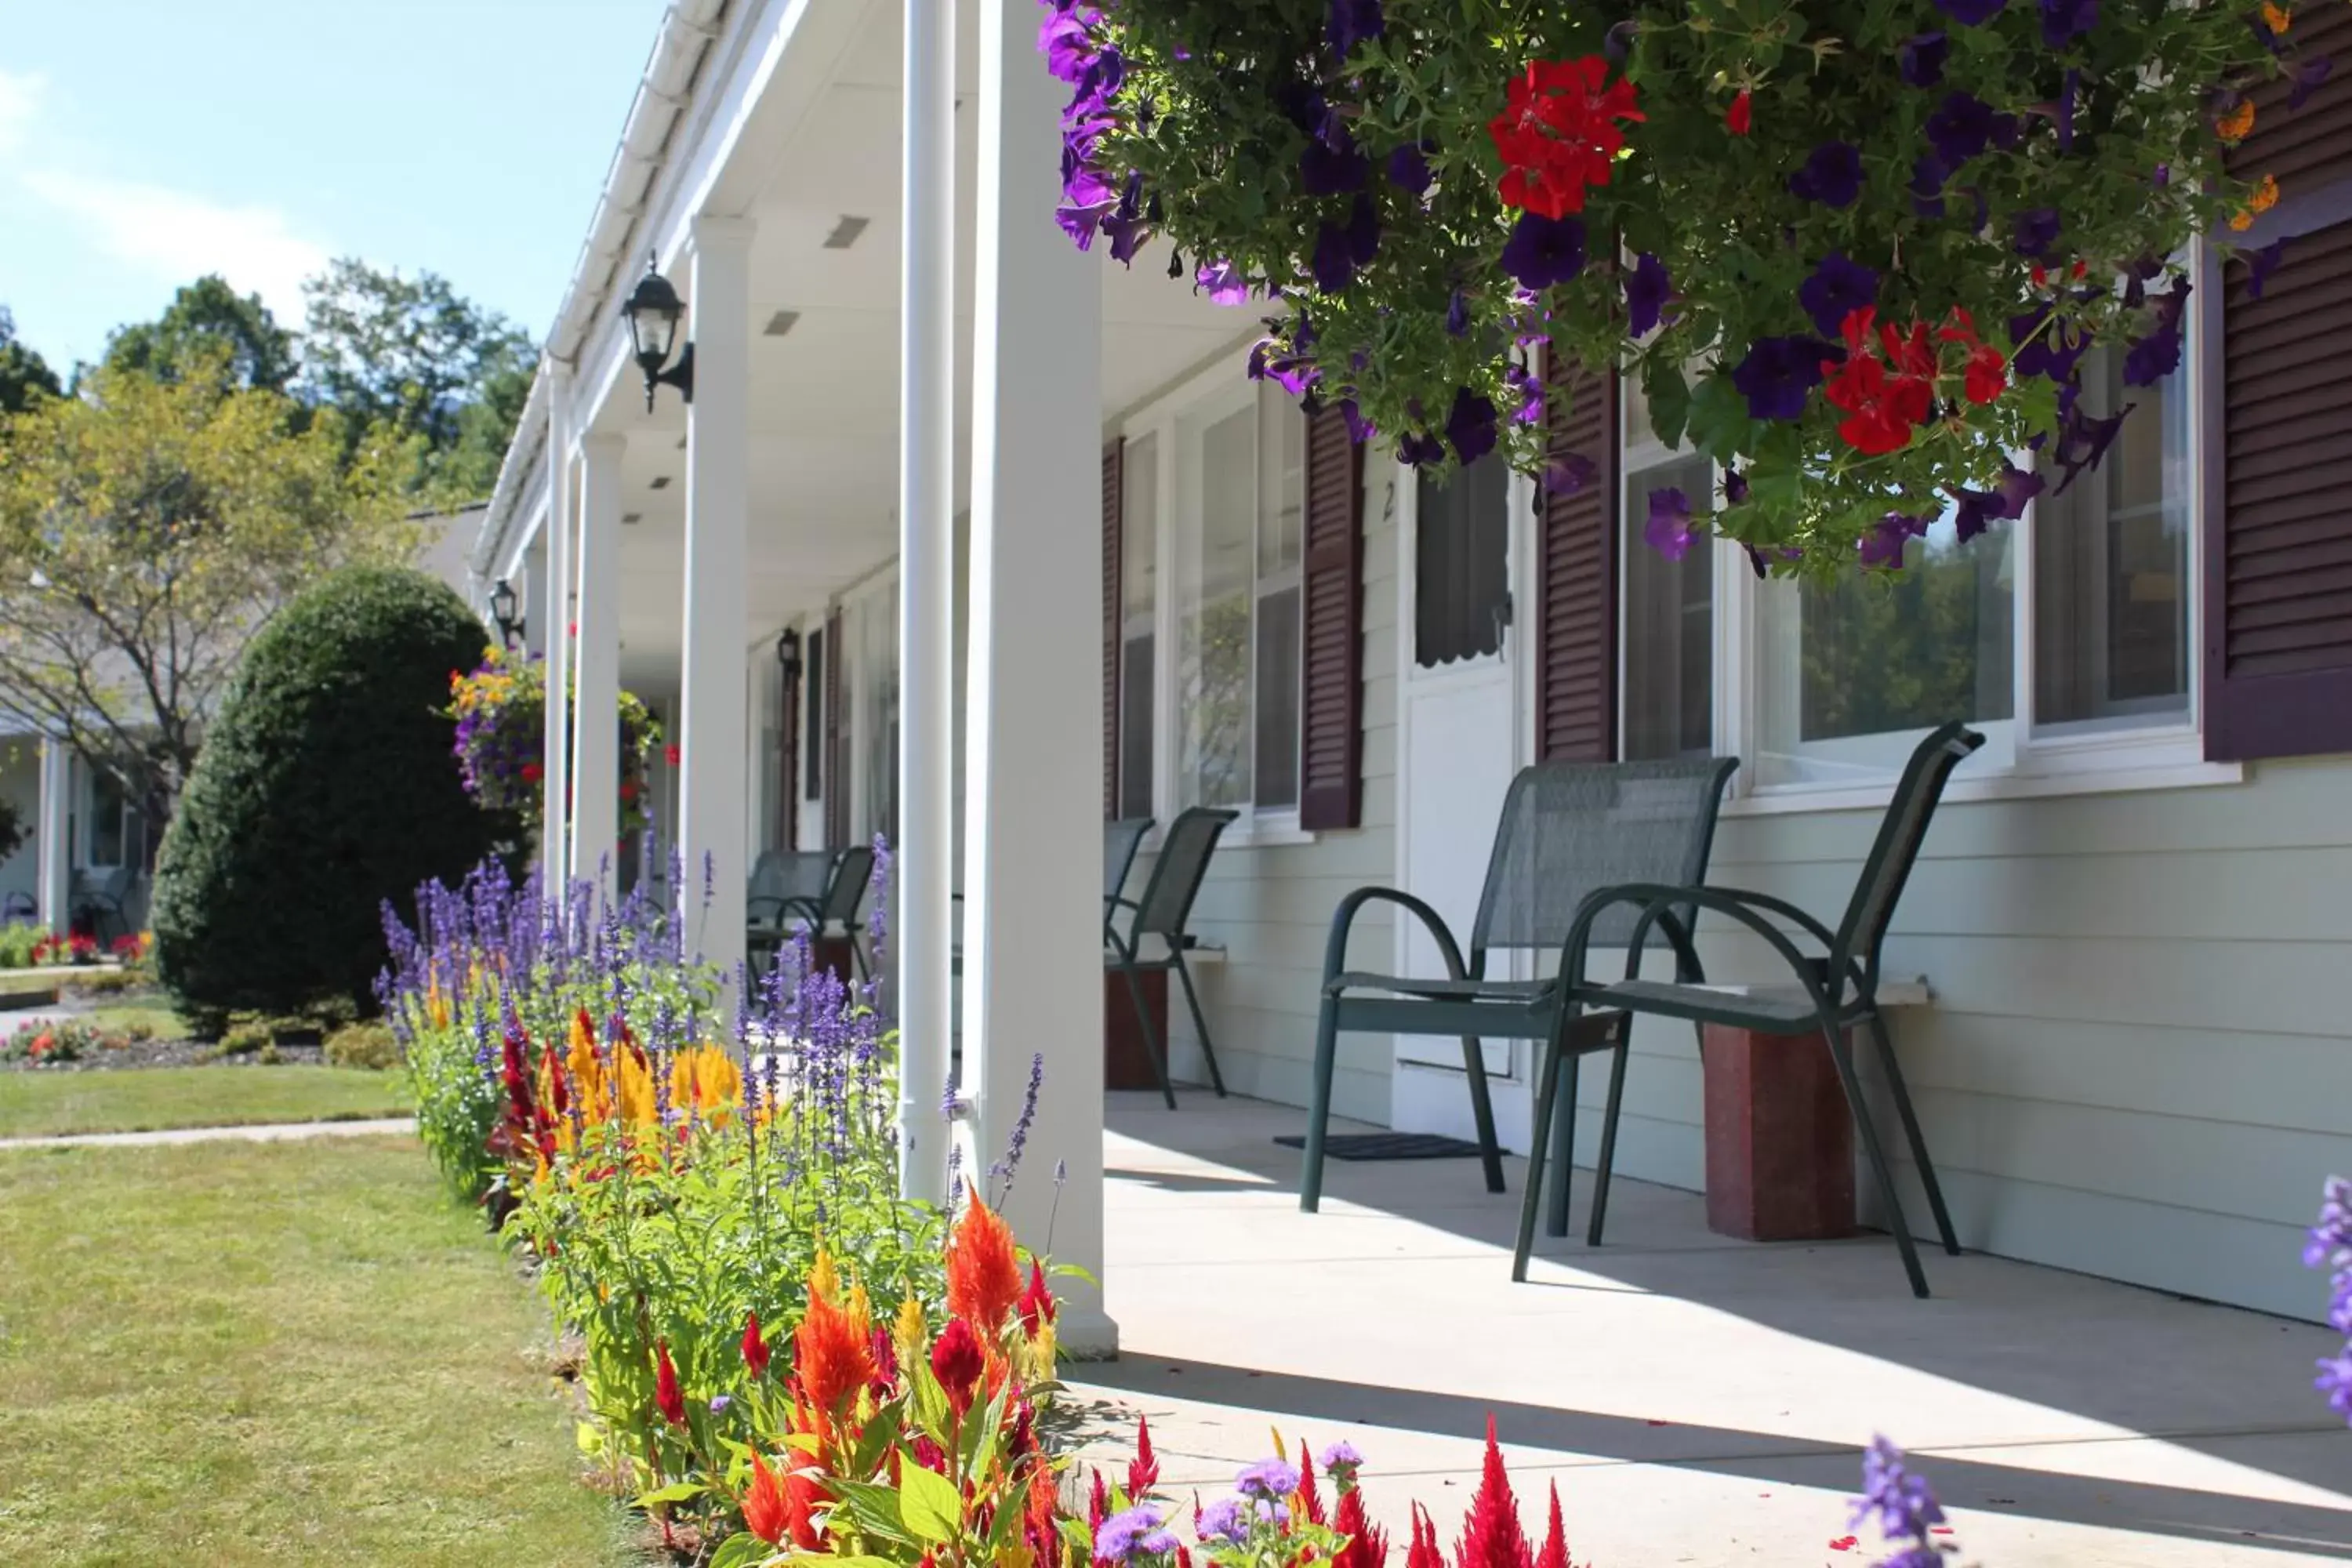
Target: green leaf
(928,1503)
(876,1508)
(1670,399)
(677,1491)
(741,1550)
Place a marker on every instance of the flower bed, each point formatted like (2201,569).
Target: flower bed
(1856,254)
(58,1041)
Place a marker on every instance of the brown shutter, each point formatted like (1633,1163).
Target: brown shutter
(1576,629)
(1331,635)
(836,736)
(1114,504)
(2278,520)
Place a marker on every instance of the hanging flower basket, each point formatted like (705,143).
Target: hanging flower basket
(501,713)
(1855,252)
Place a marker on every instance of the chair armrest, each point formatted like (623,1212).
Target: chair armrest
(1658,899)
(1343,921)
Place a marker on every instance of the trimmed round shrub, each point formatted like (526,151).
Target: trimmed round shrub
(325,786)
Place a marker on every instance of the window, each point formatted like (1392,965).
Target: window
(813,753)
(1462,563)
(878,667)
(1668,620)
(1139,569)
(111,823)
(1211,541)
(1840,679)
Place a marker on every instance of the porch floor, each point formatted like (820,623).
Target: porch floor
(1699,1399)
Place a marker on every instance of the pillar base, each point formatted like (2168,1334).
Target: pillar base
(1083,1334)
(1780,1139)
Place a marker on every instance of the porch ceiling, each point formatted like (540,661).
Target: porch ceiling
(825,392)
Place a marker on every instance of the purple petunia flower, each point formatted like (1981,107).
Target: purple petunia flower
(1418,448)
(1776,374)
(2036,232)
(2309,72)
(2066,108)
(2261,264)
(1831,175)
(1838,286)
(1225,283)
(1137,1532)
(1470,425)
(1354,21)
(1927,177)
(2063,21)
(2157,353)
(1544,251)
(2083,441)
(1457,315)
(1921,59)
(1960,129)
(2054,348)
(1359,429)
(1647,290)
(1668,529)
(1332,168)
(1409,167)
(1883,545)
(1334,262)
(1570,473)
(1976,510)
(1363,231)
(1735,486)
(1971,13)
(1273,1479)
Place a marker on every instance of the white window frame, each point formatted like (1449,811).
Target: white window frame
(86,816)
(2166,754)
(1256,826)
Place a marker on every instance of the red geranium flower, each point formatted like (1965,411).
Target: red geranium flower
(1558,133)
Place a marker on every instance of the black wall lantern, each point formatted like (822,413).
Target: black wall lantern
(788,655)
(502,611)
(654,311)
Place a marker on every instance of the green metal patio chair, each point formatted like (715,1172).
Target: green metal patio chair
(1163,913)
(819,891)
(1122,839)
(1567,829)
(1840,990)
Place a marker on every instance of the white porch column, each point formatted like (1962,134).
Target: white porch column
(555,756)
(925,590)
(1033,846)
(710,709)
(57,834)
(596,675)
(535,610)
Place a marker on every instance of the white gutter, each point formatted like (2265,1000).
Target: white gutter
(688,30)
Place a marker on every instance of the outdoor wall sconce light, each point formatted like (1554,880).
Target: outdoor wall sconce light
(502,611)
(788,655)
(652,312)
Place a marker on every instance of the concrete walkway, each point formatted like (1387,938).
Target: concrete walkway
(265,1134)
(1699,1399)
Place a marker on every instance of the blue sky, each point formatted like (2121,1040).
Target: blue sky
(146,143)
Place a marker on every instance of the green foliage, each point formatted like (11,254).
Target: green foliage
(244,1040)
(2098,146)
(17,942)
(371,1045)
(325,789)
(146,528)
(25,377)
(410,362)
(209,330)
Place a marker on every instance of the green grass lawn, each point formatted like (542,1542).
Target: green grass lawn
(300,1352)
(44,1104)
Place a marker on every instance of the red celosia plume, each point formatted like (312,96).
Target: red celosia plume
(1143,1470)
(1310,1497)
(1037,1304)
(957,1361)
(755,1348)
(666,1398)
(1555,1547)
(1423,1552)
(765,1511)
(1492,1536)
(1368,1545)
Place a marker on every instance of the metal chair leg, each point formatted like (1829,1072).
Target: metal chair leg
(1318,1109)
(1868,1132)
(1563,1144)
(1482,1111)
(1608,1161)
(1152,1047)
(1199,1022)
(1546,1089)
(1911,1130)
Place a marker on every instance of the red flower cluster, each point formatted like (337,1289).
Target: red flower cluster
(1558,133)
(1886,399)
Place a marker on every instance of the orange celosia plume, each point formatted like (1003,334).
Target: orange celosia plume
(983,1274)
(765,1506)
(833,1350)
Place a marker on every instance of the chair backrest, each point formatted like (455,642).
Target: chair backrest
(793,874)
(853,872)
(1570,829)
(1120,841)
(767,876)
(1167,902)
(1863,930)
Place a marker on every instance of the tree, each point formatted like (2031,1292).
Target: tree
(413,361)
(205,321)
(23,373)
(326,788)
(146,528)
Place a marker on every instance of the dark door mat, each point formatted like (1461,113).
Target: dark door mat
(1388,1146)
